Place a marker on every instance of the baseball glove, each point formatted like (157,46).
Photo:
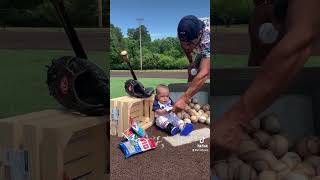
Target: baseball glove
(136,89)
(78,84)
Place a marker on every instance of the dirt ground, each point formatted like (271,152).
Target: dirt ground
(165,162)
(91,41)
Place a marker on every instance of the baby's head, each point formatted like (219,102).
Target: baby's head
(162,93)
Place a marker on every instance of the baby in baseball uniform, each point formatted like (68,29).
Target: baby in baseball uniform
(165,119)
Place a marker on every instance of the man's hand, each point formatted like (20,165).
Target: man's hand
(226,138)
(180,104)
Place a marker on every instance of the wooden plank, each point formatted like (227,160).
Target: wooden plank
(32,139)
(138,106)
(125,118)
(85,177)
(52,165)
(136,114)
(80,148)
(100,151)
(146,108)
(78,168)
(113,125)
(145,125)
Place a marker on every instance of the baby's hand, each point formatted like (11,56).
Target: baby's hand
(168,109)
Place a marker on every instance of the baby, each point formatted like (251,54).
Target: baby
(165,119)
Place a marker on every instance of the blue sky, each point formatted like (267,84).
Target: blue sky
(161,17)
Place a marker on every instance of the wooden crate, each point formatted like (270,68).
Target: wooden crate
(124,108)
(54,142)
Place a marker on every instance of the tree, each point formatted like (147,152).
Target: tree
(116,44)
(169,46)
(135,34)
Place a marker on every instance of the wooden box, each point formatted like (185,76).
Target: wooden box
(43,145)
(125,109)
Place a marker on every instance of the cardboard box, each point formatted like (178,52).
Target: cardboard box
(125,109)
(43,145)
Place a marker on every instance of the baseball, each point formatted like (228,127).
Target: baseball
(202,119)
(194,100)
(186,116)
(201,111)
(197,107)
(206,107)
(179,114)
(187,120)
(191,105)
(194,119)
(124,53)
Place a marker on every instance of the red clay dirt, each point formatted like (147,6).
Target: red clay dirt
(161,163)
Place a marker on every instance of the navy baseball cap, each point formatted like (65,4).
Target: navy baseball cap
(189,28)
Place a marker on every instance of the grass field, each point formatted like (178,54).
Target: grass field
(23,86)
(23,79)
(117,84)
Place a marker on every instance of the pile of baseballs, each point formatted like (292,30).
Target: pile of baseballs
(195,112)
(266,153)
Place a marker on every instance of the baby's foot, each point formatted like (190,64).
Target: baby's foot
(188,127)
(172,129)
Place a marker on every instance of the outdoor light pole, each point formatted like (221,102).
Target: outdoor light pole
(140,20)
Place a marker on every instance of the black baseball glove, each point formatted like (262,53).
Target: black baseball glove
(79,84)
(136,89)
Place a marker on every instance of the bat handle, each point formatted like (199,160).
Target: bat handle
(131,70)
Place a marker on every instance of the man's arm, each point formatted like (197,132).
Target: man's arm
(279,69)
(194,86)
(197,83)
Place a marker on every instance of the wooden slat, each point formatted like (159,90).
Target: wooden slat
(85,177)
(146,108)
(80,167)
(75,150)
(137,107)
(32,140)
(125,118)
(100,151)
(136,114)
(113,127)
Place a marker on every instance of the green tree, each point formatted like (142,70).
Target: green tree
(116,44)
(135,34)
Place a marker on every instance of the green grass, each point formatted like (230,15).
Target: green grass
(236,61)
(117,84)
(49,29)
(23,79)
